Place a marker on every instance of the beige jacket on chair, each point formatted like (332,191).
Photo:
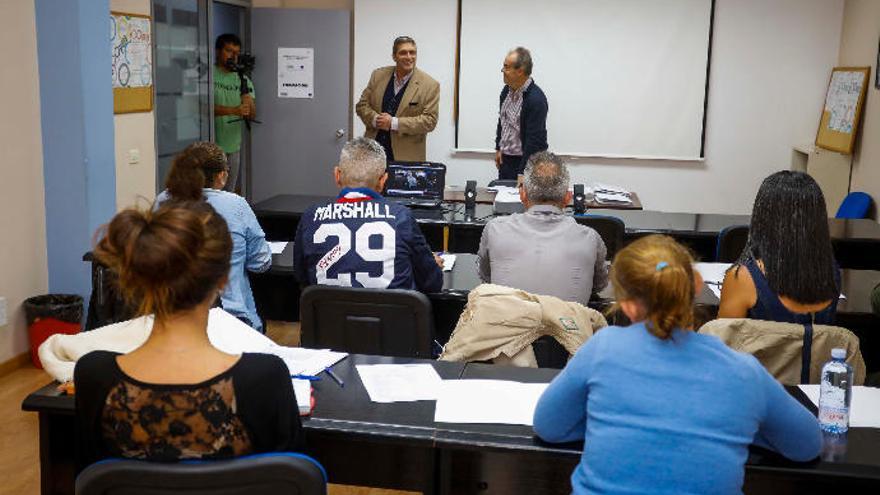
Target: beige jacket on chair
(778,346)
(500,323)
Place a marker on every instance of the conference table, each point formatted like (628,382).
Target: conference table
(277,292)
(454,228)
(400,446)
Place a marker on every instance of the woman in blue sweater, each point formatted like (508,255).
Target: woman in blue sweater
(662,409)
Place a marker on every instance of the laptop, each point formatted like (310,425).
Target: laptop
(416,184)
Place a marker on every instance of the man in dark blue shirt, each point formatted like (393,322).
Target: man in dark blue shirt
(360,239)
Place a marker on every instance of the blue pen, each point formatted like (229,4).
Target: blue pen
(310,378)
(335,377)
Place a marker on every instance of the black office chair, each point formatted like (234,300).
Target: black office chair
(549,353)
(503,182)
(611,229)
(259,474)
(731,242)
(387,322)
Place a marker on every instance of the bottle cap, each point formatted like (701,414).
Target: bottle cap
(838,353)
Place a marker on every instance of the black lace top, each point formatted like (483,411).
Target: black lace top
(247,409)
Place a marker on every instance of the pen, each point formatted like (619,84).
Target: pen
(335,377)
(310,378)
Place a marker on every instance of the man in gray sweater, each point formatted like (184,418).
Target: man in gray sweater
(544,251)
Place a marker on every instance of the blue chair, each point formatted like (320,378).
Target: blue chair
(854,205)
(258,474)
(731,242)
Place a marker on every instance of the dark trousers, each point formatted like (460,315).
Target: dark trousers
(511,166)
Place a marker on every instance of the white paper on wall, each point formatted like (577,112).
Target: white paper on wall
(296,72)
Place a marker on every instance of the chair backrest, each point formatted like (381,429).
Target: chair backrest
(259,474)
(503,182)
(731,242)
(387,322)
(791,352)
(611,229)
(854,205)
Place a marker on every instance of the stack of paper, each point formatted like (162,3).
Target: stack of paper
(277,246)
(302,361)
(608,194)
(713,275)
(487,401)
(302,389)
(448,262)
(399,382)
(864,407)
(507,195)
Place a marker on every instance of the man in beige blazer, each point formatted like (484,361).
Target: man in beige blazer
(400,104)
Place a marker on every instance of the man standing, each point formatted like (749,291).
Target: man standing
(231,107)
(360,239)
(522,119)
(544,251)
(400,104)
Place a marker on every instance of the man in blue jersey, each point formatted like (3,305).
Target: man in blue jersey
(360,239)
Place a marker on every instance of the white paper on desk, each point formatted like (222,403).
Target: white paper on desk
(612,198)
(448,262)
(487,401)
(503,189)
(864,411)
(302,389)
(399,382)
(508,195)
(277,246)
(598,187)
(713,275)
(301,361)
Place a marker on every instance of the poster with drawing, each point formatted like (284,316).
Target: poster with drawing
(843,106)
(132,55)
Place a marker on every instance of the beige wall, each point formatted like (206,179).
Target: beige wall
(23,268)
(134,131)
(858,47)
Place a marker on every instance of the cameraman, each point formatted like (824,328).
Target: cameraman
(231,105)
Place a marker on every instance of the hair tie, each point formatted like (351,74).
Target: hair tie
(661,265)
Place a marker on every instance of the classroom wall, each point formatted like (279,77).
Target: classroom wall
(134,131)
(769,69)
(23,268)
(858,47)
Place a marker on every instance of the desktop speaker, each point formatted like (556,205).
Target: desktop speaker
(580,200)
(470,195)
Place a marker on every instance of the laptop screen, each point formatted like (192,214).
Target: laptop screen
(416,181)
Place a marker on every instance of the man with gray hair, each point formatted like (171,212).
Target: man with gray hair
(522,117)
(544,251)
(360,239)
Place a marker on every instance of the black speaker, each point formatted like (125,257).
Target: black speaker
(470,195)
(580,200)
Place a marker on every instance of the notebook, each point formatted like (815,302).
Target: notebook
(417,184)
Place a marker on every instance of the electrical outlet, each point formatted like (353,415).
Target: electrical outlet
(134,156)
(3,319)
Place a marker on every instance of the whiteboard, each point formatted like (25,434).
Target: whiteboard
(624,78)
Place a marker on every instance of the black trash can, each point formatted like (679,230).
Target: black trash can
(50,314)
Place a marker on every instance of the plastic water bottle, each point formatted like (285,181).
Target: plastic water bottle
(835,393)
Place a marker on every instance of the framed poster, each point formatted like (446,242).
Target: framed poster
(844,101)
(131,43)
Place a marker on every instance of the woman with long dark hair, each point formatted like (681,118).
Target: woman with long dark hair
(787,271)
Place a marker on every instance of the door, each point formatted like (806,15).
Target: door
(182,105)
(298,142)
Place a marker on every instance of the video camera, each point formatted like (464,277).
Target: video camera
(244,65)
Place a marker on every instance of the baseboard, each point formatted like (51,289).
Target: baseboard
(15,363)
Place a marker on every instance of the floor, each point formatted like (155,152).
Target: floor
(19,432)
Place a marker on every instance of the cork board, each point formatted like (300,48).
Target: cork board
(844,102)
(132,56)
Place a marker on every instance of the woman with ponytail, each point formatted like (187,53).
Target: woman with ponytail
(200,173)
(178,397)
(660,408)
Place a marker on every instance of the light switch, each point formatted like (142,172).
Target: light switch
(3,317)
(134,156)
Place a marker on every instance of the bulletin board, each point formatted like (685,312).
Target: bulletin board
(844,102)
(131,42)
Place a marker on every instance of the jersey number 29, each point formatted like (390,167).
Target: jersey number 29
(384,253)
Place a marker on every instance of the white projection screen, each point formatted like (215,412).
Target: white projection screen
(624,78)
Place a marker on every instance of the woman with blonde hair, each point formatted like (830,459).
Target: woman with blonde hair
(660,408)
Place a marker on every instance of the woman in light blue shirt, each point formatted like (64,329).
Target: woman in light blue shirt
(200,172)
(660,408)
